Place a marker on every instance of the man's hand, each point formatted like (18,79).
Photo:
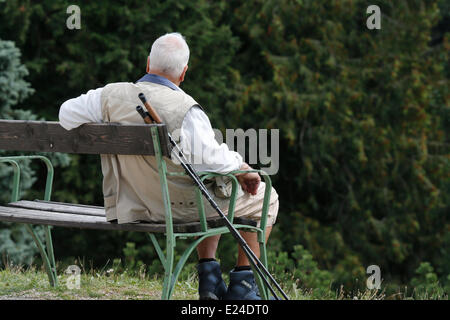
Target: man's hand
(249,181)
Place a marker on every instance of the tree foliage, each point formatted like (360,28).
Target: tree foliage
(362,117)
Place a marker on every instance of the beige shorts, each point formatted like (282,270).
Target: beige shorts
(250,207)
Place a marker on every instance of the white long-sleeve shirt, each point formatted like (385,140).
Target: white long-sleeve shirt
(197,139)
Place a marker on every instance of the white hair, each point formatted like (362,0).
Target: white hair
(169,54)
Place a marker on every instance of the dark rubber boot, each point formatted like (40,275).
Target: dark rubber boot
(242,286)
(211,285)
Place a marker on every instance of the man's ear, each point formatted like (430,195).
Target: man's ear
(148,64)
(183,74)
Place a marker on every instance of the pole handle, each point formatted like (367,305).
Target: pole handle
(149,108)
(144,115)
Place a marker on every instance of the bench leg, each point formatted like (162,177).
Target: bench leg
(50,253)
(263,290)
(171,275)
(167,260)
(160,253)
(47,256)
(168,267)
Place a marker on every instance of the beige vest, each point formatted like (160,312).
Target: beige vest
(131,186)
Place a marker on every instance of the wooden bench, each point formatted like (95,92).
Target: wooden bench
(132,139)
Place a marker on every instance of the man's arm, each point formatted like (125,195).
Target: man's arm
(205,154)
(202,149)
(83,109)
(249,181)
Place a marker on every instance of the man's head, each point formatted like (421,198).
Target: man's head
(169,57)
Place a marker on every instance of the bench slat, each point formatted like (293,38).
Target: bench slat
(78,216)
(92,138)
(67,204)
(60,207)
(11,214)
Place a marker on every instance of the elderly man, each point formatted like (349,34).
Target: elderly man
(129,182)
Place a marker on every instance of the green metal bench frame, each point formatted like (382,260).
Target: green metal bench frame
(46,250)
(171,271)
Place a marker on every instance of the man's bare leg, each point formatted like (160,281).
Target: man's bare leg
(211,284)
(252,240)
(242,280)
(208,247)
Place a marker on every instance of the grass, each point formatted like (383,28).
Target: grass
(32,283)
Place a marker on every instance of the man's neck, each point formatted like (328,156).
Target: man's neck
(175,81)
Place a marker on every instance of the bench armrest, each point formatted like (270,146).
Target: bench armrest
(233,198)
(50,172)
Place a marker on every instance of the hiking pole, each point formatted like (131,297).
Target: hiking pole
(257,264)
